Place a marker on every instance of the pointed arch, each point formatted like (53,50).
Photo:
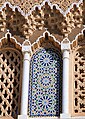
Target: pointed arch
(4,41)
(44,40)
(10,76)
(45,77)
(78,74)
(79,40)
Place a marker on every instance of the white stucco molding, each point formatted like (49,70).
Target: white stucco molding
(11,37)
(82,33)
(26,46)
(43,36)
(39,7)
(65,44)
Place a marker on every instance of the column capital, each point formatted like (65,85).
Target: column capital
(65,44)
(26,52)
(26,49)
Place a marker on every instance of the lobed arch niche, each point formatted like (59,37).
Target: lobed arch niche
(10,76)
(45,95)
(78,96)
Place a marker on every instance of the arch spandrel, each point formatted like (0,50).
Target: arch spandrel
(46,40)
(9,41)
(79,40)
(74,33)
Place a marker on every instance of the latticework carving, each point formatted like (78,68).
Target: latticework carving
(64,4)
(49,17)
(79,82)
(11,20)
(27,5)
(74,18)
(83,12)
(10,82)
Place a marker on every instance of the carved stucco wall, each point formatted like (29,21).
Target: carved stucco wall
(10,78)
(47,17)
(31,24)
(79,82)
(26,5)
(77,74)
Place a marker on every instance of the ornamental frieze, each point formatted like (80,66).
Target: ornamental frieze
(26,5)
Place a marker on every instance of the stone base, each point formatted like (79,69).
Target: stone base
(6,117)
(22,116)
(79,117)
(26,117)
(64,116)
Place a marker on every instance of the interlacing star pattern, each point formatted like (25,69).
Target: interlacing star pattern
(45,83)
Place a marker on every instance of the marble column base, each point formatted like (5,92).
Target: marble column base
(65,116)
(22,116)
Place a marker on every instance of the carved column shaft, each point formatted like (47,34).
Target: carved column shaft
(65,47)
(65,81)
(25,81)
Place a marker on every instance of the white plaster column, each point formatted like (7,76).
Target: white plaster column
(25,81)
(65,47)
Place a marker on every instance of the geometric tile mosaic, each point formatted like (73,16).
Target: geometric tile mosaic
(45,76)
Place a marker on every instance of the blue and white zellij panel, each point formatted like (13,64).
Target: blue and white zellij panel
(45,83)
